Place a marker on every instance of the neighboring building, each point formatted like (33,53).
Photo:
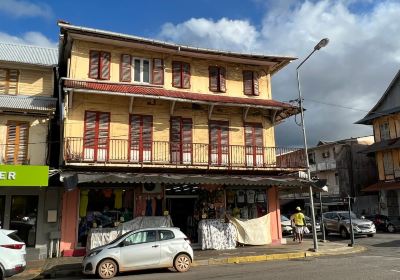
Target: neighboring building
(26,107)
(151,126)
(346,171)
(385,119)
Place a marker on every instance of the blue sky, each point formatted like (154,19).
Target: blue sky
(352,72)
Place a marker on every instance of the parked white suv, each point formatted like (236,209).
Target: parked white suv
(12,254)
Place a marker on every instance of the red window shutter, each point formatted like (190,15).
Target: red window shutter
(158,71)
(248,82)
(90,130)
(175,139)
(176,74)
(126,68)
(94,63)
(186,75)
(214,138)
(135,132)
(105,62)
(147,134)
(213,73)
(255,84)
(187,135)
(103,130)
(222,79)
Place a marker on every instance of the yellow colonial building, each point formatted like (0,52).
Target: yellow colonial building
(27,107)
(385,119)
(153,128)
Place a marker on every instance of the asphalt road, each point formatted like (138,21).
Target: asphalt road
(380,261)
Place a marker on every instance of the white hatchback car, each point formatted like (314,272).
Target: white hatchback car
(12,254)
(141,249)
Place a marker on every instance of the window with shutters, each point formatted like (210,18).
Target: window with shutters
(141,138)
(254,144)
(219,142)
(96,136)
(17,142)
(180,74)
(250,83)
(99,65)
(9,81)
(141,70)
(217,78)
(181,140)
(125,68)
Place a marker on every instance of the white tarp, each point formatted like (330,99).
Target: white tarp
(102,236)
(253,231)
(217,235)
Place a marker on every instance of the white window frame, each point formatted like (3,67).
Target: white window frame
(141,70)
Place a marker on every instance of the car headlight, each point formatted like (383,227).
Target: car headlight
(94,253)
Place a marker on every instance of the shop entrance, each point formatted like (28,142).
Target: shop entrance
(181,210)
(2,206)
(23,217)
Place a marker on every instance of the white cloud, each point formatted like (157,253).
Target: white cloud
(20,8)
(353,70)
(28,38)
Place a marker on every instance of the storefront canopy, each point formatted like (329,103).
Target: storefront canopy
(382,186)
(286,184)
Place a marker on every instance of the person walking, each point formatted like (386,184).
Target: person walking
(299,222)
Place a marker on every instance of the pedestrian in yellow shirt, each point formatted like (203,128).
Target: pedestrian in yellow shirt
(299,223)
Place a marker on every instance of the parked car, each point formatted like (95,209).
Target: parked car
(385,223)
(309,224)
(286,225)
(12,254)
(339,222)
(141,249)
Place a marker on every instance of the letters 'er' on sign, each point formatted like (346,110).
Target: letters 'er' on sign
(24,176)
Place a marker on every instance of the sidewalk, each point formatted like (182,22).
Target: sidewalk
(71,266)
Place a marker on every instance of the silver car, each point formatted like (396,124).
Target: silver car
(141,249)
(339,222)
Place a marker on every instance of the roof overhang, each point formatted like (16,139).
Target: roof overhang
(27,105)
(274,63)
(382,186)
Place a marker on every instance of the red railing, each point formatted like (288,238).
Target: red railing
(185,155)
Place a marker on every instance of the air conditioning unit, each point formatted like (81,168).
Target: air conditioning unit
(151,188)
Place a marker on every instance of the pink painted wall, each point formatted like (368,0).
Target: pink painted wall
(275,212)
(69,221)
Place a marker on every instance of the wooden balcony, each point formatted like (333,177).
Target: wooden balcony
(165,154)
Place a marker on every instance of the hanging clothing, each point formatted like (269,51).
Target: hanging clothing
(84,203)
(139,206)
(250,196)
(149,207)
(158,206)
(240,196)
(128,199)
(118,199)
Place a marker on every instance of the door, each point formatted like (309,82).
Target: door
(254,144)
(140,249)
(182,212)
(96,136)
(23,217)
(141,138)
(2,209)
(181,140)
(219,143)
(392,203)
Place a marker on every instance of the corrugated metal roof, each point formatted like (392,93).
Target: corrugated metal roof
(41,104)
(28,54)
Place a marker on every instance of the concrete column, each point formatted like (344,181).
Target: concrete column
(69,220)
(275,213)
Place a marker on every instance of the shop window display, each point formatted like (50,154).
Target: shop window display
(103,208)
(246,203)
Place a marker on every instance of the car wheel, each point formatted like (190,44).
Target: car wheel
(344,233)
(107,269)
(182,263)
(390,228)
(370,235)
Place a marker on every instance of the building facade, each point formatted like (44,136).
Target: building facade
(152,128)
(346,171)
(385,120)
(27,105)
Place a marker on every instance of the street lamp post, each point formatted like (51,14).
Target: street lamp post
(317,47)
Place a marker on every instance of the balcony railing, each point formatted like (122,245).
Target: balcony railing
(123,151)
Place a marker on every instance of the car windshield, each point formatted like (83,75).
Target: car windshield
(284,218)
(345,215)
(116,240)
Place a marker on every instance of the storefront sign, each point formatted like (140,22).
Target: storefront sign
(24,176)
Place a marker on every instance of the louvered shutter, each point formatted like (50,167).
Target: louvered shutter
(213,73)
(90,129)
(214,147)
(13,81)
(255,84)
(222,79)
(176,74)
(94,64)
(3,80)
(11,142)
(175,139)
(126,68)
(248,82)
(224,143)
(186,75)
(135,137)
(22,154)
(187,140)
(147,133)
(104,121)
(105,65)
(158,71)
